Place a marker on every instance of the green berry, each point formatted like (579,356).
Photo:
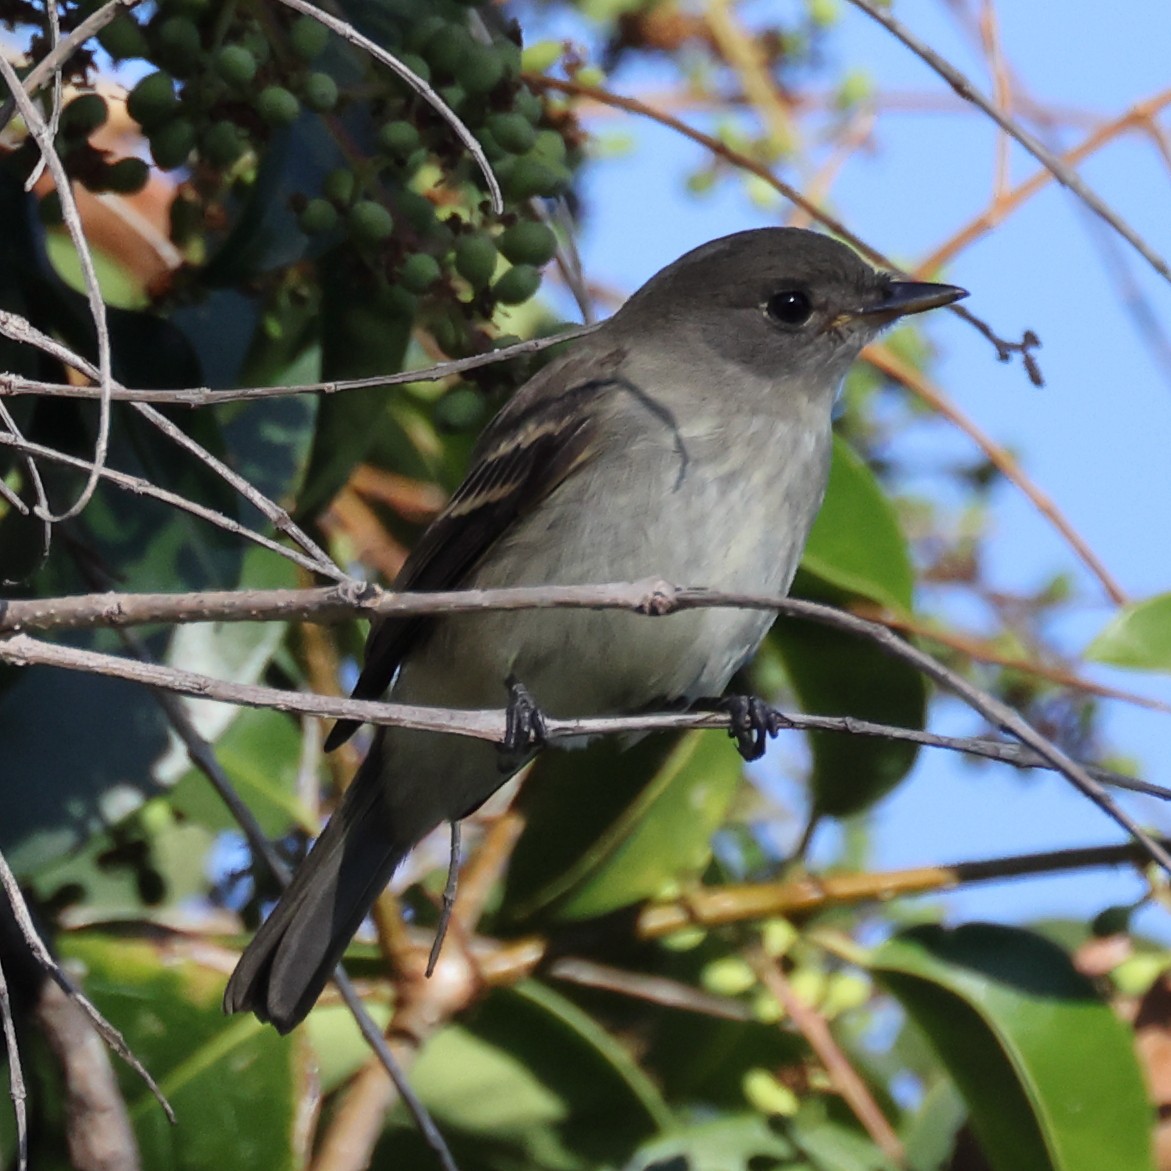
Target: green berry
(527,242)
(461,409)
(236,65)
(277,106)
(416,209)
(180,43)
(339,185)
(518,284)
(369,222)
(418,272)
(447,47)
(152,101)
(528,104)
(222,144)
(530,175)
(318,217)
(126,176)
(320,92)
(398,139)
(423,30)
(84,115)
(308,37)
(550,146)
(122,38)
(514,132)
(481,70)
(453,95)
(257,44)
(172,143)
(475,259)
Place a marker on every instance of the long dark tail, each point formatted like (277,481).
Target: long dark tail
(285,967)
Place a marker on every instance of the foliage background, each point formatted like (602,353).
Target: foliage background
(543,1072)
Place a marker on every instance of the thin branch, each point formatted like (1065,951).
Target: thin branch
(93,293)
(143,487)
(1063,174)
(843,1076)
(648,597)
(16,1087)
(40,952)
(883,358)
(54,124)
(349,33)
(202,396)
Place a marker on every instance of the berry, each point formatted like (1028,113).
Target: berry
(152,101)
(369,222)
(84,115)
(481,70)
(277,106)
(320,92)
(126,176)
(418,272)
(122,38)
(475,259)
(308,37)
(339,185)
(514,132)
(518,284)
(318,217)
(180,44)
(236,65)
(171,143)
(527,242)
(222,144)
(398,139)
(447,47)
(530,175)
(461,409)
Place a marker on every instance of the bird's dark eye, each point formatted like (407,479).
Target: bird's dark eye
(789,307)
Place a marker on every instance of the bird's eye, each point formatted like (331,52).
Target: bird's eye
(789,307)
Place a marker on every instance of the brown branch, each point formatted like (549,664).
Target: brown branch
(201,396)
(842,1075)
(883,358)
(1062,173)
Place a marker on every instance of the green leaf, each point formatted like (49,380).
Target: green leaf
(621,837)
(857,545)
(1048,1071)
(235,1085)
(1138,636)
(530,1080)
(834,673)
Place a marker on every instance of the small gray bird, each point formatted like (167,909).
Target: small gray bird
(687,438)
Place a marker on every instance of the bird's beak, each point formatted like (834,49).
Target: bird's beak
(902,298)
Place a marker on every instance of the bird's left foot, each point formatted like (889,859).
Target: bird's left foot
(524,728)
(752,724)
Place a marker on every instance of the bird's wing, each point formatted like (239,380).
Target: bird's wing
(540,437)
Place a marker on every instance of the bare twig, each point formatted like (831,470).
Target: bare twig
(883,358)
(16,1087)
(1063,174)
(40,953)
(202,396)
(93,293)
(143,487)
(844,1078)
(54,124)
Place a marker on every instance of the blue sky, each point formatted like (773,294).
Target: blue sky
(1096,437)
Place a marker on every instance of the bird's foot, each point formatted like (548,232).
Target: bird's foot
(752,723)
(524,727)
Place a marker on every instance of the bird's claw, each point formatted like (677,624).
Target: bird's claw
(524,726)
(752,724)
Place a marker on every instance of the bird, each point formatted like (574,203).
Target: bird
(688,438)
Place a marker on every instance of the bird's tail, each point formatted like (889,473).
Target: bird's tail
(285,967)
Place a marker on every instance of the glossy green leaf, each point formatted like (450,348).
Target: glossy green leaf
(839,674)
(857,545)
(235,1085)
(620,837)
(1138,636)
(1048,1071)
(530,1080)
